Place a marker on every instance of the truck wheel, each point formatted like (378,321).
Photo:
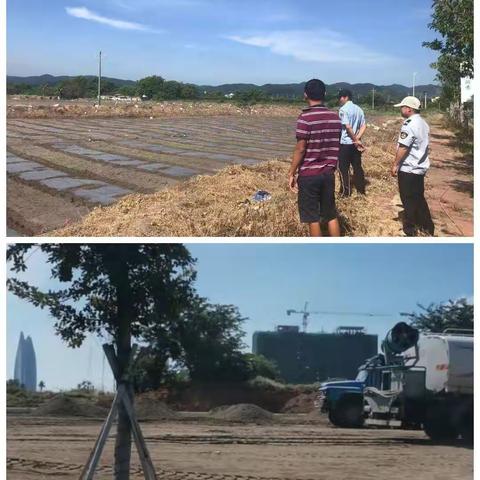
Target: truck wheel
(438,426)
(348,413)
(466,427)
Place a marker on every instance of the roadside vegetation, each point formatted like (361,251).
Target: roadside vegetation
(155,88)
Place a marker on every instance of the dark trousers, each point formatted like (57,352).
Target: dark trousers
(349,155)
(416,214)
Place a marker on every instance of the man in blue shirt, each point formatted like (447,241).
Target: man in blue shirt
(351,148)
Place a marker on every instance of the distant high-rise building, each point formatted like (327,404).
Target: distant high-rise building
(26,364)
(314,357)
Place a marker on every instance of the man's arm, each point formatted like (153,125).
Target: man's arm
(361,131)
(351,133)
(298,155)
(355,138)
(402,152)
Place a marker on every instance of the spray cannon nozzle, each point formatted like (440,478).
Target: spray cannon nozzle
(401,337)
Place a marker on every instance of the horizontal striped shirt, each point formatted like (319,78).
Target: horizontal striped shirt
(321,128)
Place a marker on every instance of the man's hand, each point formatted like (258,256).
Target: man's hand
(298,155)
(359,145)
(394,170)
(292,182)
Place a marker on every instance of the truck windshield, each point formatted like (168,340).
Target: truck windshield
(362,376)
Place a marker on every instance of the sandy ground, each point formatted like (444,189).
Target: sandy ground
(41,448)
(59,170)
(450,183)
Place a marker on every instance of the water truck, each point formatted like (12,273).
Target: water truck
(420,380)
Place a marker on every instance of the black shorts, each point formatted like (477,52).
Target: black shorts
(316,198)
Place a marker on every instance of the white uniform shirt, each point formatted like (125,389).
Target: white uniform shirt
(414,135)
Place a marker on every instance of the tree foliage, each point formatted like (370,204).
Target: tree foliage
(437,318)
(260,366)
(85,386)
(453,20)
(205,341)
(210,341)
(106,282)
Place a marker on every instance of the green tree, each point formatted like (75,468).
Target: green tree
(437,318)
(188,91)
(121,289)
(380,100)
(41,385)
(13,386)
(260,366)
(86,386)
(150,370)
(47,90)
(150,86)
(107,87)
(20,89)
(205,339)
(170,91)
(453,20)
(73,88)
(250,97)
(127,90)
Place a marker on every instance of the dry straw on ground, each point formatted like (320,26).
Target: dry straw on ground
(221,205)
(36,108)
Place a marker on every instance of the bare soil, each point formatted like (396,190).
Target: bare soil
(191,170)
(290,448)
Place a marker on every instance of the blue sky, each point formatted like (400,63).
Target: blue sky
(223,41)
(264,280)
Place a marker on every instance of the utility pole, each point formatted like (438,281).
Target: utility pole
(373,98)
(413,89)
(99,74)
(425,94)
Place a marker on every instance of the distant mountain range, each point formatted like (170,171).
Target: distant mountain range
(390,92)
(52,80)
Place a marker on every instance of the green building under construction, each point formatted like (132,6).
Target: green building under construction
(313,357)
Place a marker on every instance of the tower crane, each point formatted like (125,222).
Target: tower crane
(306,314)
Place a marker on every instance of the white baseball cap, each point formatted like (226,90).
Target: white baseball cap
(412,102)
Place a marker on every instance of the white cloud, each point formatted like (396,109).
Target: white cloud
(86,14)
(314,46)
(147,4)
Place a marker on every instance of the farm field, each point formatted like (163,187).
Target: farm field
(59,169)
(289,448)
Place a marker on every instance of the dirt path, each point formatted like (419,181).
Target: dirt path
(450,192)
(42,448)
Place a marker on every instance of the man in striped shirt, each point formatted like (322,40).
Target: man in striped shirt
(315,158)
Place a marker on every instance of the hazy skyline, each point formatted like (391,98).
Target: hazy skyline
(222,41)
(264,280)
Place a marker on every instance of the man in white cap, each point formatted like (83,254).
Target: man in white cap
(410,165)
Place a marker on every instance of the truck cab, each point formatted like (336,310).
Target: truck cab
(343,399)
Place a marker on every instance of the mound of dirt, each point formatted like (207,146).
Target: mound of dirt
(303,403)
(150,409)
(242,413)
(65,406)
